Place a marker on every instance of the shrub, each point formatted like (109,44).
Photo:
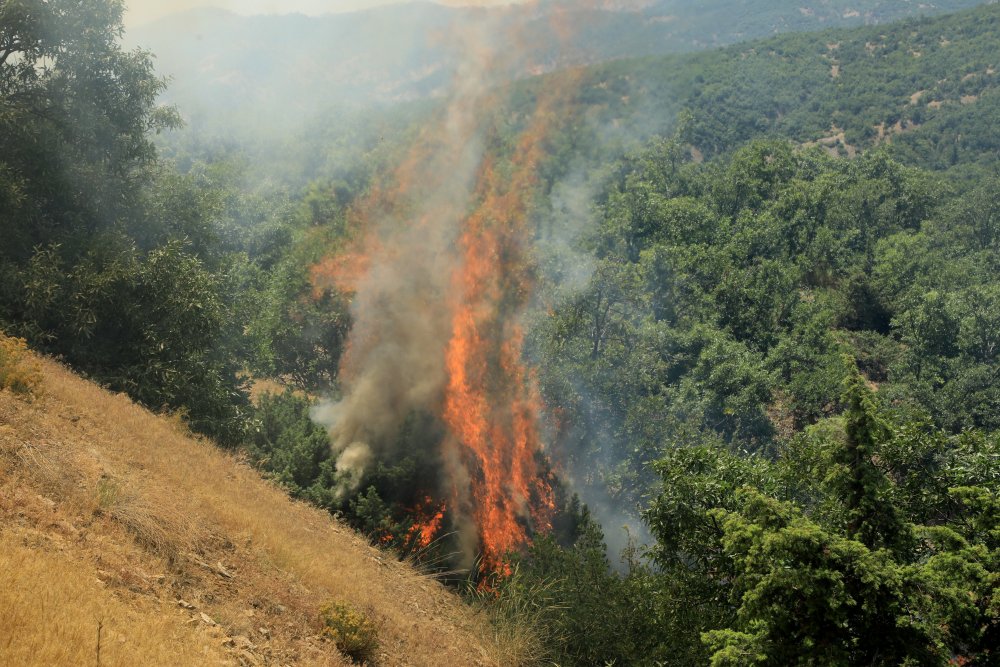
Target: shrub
(354,633)
(17,371)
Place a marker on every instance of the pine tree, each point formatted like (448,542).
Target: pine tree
(870,518)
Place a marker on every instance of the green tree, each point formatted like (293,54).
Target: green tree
(75,112)
(871,517)
(291,447)
(808,596)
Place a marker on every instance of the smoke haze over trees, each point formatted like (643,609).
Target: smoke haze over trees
(269,72)
(521,275)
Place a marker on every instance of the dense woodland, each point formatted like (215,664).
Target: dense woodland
(784,355)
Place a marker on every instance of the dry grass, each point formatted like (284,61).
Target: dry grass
(515,641)
(260,387)
(519,636)
(18,372)
(51,605)
(189,557)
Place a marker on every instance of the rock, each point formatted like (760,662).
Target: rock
(248,659)
(218,568)
(185,604)
(207,619)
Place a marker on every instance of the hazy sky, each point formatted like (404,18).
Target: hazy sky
(142,11)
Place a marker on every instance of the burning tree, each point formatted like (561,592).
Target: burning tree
(440,272)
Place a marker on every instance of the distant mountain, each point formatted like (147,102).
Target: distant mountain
(241,71)
(928,88)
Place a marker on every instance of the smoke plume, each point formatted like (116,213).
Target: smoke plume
(440,273)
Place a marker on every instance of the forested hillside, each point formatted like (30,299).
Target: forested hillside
(391,54)
(745,300)
(925,87)
(783,359)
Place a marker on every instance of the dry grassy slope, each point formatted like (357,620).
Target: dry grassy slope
(185,556)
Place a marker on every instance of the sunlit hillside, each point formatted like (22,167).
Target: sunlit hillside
(124,541)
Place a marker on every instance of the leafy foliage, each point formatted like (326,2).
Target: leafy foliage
(142,277)
(292,448)
(794,521)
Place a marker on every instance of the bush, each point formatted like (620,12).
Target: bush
(17,371)
(354,633)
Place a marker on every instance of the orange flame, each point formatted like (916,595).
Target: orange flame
(342,271)
(490,404)
(426,525)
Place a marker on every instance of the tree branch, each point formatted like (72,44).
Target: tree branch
(9,49)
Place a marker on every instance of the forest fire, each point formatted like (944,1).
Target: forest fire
(487,406)
(342,271)
(428,518)
(491,407)
(440,270)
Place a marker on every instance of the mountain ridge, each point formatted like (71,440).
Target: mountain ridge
(268,68)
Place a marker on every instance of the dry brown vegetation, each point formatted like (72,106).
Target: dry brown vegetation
(112,516)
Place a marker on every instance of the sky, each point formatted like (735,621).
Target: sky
(139,12)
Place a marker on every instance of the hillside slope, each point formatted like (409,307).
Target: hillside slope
(928,87)
(247,71)
(115,523)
